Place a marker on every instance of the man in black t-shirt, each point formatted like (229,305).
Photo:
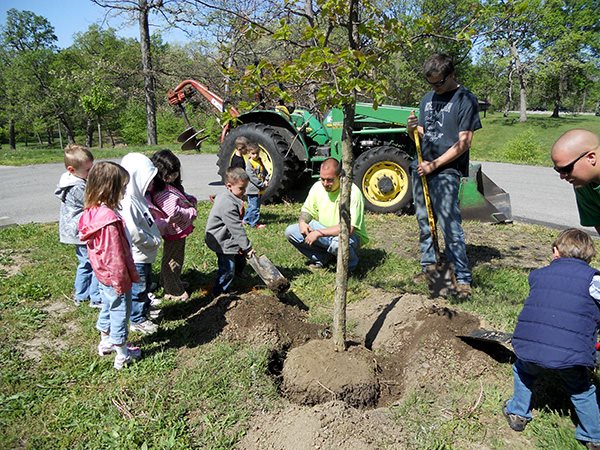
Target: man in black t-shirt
(447,119)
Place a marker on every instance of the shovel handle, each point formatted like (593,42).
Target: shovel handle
(430,215)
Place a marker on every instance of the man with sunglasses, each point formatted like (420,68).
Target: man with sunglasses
(316,235)
(448,116)
(576,158)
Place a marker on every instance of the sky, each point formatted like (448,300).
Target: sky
(72,16)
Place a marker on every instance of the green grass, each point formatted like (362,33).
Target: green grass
(42,155)
(190,394)
(505,139)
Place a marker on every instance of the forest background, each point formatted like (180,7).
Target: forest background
(523,55)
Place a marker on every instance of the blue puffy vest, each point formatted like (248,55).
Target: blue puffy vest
(558,324)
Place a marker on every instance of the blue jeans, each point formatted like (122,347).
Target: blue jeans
(323,249)
(114,315)
(140,303)
(576,381)
(252,216)
(86,283)
(228,267)
(443,190)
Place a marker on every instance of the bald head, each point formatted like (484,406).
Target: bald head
(574,142)
(575,157)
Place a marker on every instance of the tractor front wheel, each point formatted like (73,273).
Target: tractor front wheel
(279,162)
(383,177)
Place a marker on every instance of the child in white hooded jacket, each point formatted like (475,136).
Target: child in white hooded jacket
(145,236)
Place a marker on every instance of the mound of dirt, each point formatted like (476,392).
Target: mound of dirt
(261,319)
(315,373)
(332,425)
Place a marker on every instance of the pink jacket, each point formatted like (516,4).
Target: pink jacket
(109,250)
(181,207)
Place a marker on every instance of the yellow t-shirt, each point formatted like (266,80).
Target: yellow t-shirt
(324,207)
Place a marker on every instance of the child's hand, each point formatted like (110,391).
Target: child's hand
(250,253)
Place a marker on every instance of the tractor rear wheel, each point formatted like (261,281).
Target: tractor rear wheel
(273,152)
(383,177)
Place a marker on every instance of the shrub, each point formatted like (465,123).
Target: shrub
(524,148)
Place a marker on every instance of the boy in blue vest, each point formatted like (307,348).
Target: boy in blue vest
(557,331)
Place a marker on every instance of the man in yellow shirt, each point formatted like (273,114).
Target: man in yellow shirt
(316,233)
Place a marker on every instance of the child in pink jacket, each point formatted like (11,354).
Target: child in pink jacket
(176,211)
(103,231)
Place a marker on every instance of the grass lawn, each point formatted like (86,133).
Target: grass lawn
(505,139)
(190,394)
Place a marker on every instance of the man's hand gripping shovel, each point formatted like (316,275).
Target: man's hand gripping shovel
(440,279)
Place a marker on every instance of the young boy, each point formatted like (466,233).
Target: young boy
(145,236)
(258,182)
(225,234)
(241,145)
(557,331)
(70,191)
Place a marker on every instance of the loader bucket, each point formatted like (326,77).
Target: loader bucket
(483,200)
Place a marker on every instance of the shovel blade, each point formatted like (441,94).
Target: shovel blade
(441,281)
(269,273)
(489,336)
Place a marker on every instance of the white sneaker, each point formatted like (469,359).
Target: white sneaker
(154,314)
(106,348)
(153,300)
(133,354)
(145,327)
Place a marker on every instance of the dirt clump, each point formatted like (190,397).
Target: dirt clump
(315,373)
(331,425)
(260,319)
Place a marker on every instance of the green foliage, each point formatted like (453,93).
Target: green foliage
(524,148)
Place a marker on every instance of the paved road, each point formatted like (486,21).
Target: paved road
(537,194)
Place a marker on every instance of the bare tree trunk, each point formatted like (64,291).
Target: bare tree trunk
(521,75)
(99,134)
(39,138)
(148,72)
(68,129)
(110,135)
(49,136)
(89,133)
(12,138)
(60,140)
(509,93)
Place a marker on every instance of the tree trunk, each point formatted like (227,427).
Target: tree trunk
(39,138)
(110,135)
(99,134)
(509,93)
(49,136)
(521,76)
(68,129)
(60,140)
(12,138)
(148,72)
(89,133)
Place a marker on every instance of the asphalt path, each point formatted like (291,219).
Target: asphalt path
(537,194)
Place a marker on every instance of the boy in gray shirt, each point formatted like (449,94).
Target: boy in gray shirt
(225,234)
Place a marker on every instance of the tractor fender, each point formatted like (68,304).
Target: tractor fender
(284,126)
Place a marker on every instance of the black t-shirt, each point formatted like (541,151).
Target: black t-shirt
(442,118)
(238,161)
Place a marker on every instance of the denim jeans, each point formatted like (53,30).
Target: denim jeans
(228,267)
(252,216)
(325,248)
(114,315)
(140,303)
(443,190)
(576,381)
(86,283)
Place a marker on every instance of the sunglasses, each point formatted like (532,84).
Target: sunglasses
(438,83)
(567,169)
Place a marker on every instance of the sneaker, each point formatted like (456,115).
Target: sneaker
(154,301)
(315,265)
(463,291)
(145,327)
(517,423)
(154,314)
(592,445)
(106,348)
(177,298)
(77,302)
(133,354)
(96,305)
(260,226)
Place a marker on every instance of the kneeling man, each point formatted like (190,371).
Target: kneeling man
(316,235)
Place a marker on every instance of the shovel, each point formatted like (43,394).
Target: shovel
(270,274)
(441,281)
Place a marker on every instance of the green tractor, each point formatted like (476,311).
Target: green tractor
(296,142)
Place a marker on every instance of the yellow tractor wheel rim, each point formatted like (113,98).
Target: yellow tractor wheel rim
(388,175)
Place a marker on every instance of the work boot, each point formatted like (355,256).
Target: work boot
(426,274)
(463,291)
(592,445)
(517,423)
